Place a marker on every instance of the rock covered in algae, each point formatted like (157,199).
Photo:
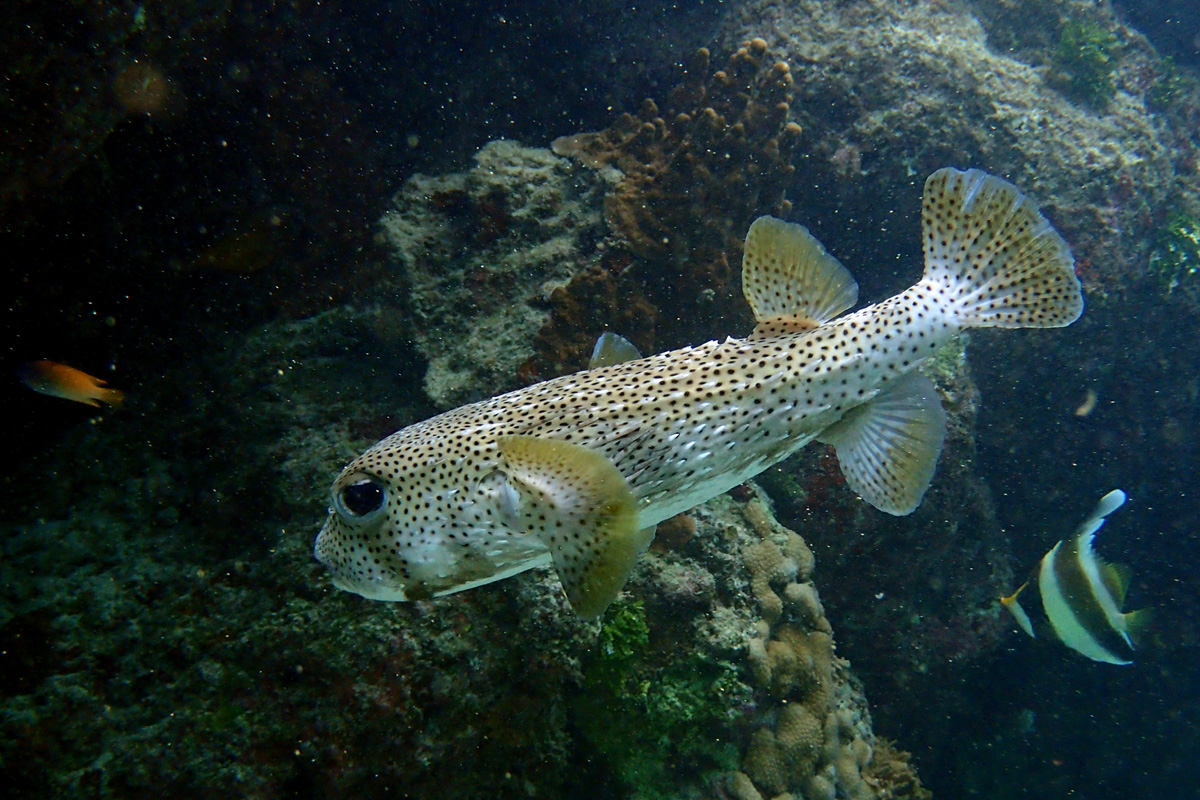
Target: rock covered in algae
(889,92)
(480,252)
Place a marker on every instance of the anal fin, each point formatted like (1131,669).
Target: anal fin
(888,447)
(577,501)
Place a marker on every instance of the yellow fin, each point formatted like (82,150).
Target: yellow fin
(889,446)
(1137,623)
(788,275)
(993,256)
(584,510)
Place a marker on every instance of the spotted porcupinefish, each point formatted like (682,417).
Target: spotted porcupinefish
(1077,598)
(577,471)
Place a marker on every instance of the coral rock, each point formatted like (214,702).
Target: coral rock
(742,788)
(764,763)
(800,736)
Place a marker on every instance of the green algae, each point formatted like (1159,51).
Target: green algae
(1170,87)
(624,636)
(653,719)
(1087,53)
(1175,260)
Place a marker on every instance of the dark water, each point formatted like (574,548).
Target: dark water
(190,210)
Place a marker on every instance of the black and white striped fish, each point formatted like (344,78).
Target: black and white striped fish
(1081,596)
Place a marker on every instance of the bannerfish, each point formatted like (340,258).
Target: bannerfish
(59,380)
(1081,596)
(577,471)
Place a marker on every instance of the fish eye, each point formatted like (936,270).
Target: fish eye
(361,498)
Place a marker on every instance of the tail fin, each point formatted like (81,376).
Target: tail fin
(993,256)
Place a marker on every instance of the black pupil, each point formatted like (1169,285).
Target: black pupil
(363,497)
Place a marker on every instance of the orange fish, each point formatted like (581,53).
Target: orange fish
(59,380)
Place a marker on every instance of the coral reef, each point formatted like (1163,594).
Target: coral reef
(164,622)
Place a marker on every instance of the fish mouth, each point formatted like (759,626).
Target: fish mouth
(370,589)
(324,552)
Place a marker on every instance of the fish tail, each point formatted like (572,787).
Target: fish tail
(113,397)
(992,257)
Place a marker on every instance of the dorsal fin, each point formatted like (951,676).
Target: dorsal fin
(790,281)
(612,348)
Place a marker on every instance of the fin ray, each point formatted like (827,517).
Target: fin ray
(888,447)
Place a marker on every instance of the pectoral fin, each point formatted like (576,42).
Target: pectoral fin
(583,508)
(1137,623)
(888,447)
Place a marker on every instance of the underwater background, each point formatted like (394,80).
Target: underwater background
(287,229)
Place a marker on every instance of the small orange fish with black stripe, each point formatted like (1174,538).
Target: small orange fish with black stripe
(59,380)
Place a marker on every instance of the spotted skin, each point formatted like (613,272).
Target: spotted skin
(437,507)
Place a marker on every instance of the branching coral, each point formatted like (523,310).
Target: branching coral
(715,154)
(689,176)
